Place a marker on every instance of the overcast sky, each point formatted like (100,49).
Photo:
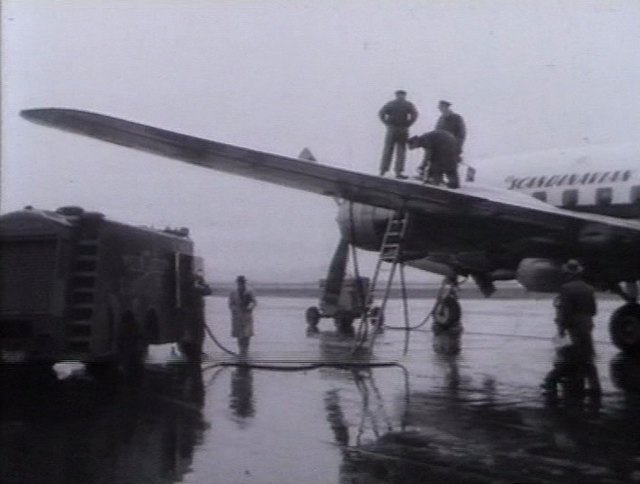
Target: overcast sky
(281,75)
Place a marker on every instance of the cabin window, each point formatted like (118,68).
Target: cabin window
(570,198)
(540,196)
(635,194)
(604,196)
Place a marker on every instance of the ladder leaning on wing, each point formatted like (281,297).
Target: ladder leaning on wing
(380,286)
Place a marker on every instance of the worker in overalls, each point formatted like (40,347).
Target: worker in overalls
(453,123)
(575,309)
(397,115)
(441,157)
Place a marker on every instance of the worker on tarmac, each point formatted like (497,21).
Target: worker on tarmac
(241,303)
(575,309)
(398,115)
(441,157)
(453,123)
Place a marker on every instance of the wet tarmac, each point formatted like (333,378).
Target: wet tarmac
(475,417)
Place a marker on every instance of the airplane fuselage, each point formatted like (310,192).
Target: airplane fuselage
(602,180)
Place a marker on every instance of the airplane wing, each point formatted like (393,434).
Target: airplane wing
(469,202)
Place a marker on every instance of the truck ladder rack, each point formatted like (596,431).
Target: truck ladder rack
(81,298)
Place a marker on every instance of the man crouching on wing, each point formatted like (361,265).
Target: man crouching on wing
(441,156)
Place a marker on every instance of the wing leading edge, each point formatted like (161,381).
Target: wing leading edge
(325,180)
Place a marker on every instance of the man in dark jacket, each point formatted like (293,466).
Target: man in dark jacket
(575,309)
(451,122)
(398,115)
(440,157)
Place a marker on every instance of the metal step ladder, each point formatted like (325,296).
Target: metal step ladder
(388,260)
(82,295)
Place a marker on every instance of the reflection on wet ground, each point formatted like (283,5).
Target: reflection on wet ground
(477,416)
(79,430)
(469,431)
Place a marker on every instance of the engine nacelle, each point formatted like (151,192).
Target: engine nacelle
(363,225)
(540,275)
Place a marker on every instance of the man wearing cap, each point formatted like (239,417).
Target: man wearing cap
(451,122)
(575,309)
(398,115)
(241,303)
(440,157)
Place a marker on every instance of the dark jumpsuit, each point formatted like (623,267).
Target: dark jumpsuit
(398,115)
(441,155)
(454,124)
(576,307)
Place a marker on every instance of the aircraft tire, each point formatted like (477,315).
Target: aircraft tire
(312,316)
(447,313)
(625,372)
(344,324)
(624,328)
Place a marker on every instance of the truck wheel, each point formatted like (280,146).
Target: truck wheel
(312,315)
(624,328)
(447,312)
(192,349)
(41,371)
(132,348)
(192,340)
(101,370)
(132,354)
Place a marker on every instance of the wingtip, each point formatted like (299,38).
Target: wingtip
(40,114)
(44,114)
(30,114)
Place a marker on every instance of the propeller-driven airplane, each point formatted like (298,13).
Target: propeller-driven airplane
(540,211)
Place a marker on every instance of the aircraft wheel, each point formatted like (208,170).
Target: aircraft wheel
(624,328)
(344,324)
(312,316)
(625,373)
(447,312)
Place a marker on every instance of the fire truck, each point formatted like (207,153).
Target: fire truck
(75,286)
